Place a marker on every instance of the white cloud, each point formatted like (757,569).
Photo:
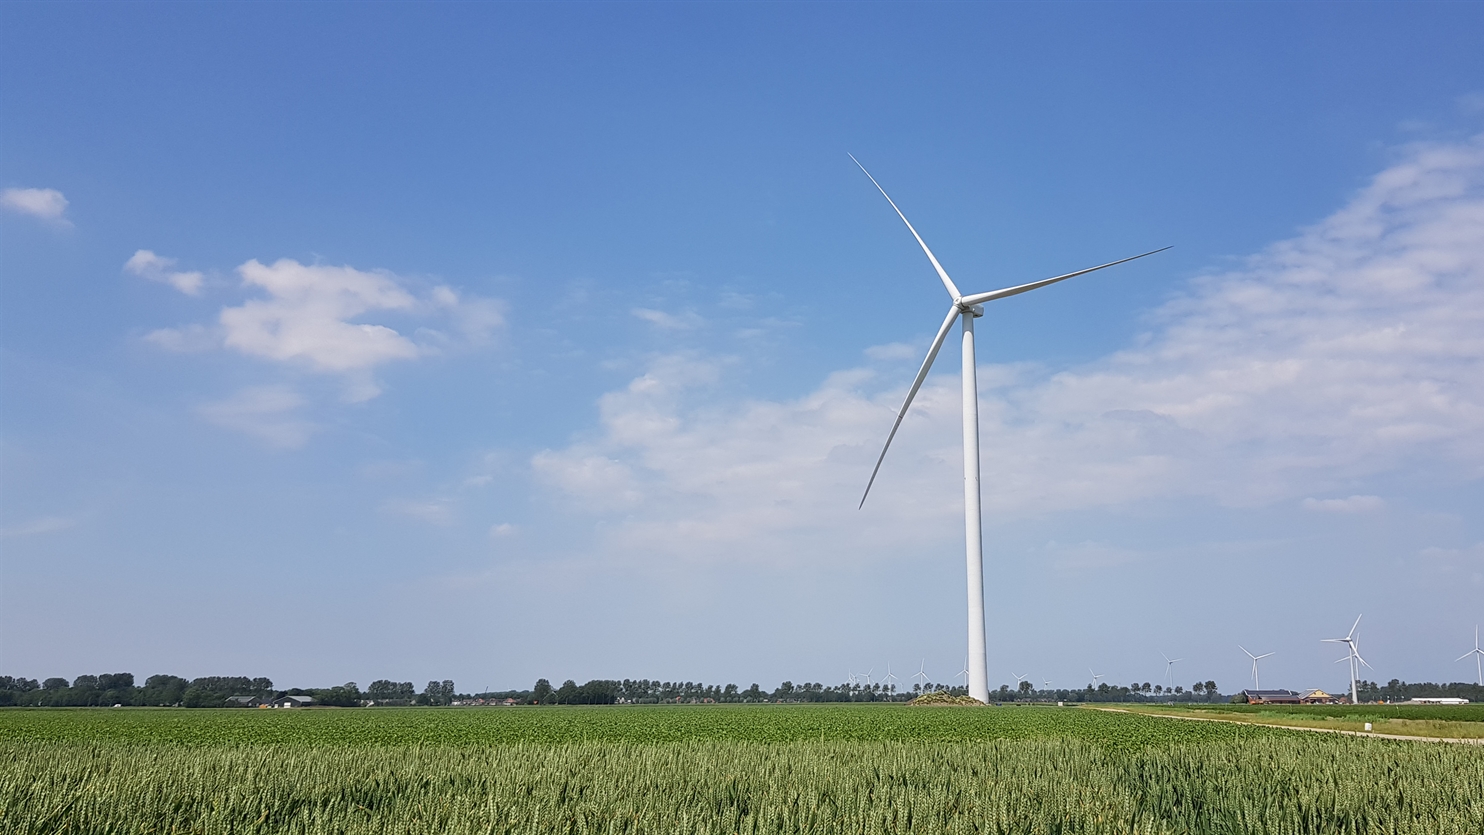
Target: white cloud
(1353,350)
(502,530)
(266,413)
(146,264)
(45,203)
(669,321)
(1354,504)
(311,316)
(305,317)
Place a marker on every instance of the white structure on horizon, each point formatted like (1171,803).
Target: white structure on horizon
(1478,655)
(964,310)
(1351,643)
(1256,685)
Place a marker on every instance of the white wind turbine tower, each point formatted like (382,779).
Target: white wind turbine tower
(921,675)
(1354,656)
(890,680)
(1478,655)
(965,309)
(1255,684)
(1169,671)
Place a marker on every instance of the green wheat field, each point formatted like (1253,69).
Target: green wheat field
(715,769)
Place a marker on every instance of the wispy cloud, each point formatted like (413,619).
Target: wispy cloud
(146,264)
(1353,350)
(268,413)
(431,511)
(669,321)
(45,203)
(1354,504)
(37,527)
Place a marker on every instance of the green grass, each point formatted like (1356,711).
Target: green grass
(555,725)
(715,769)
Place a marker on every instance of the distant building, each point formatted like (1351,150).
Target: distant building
(243,701)
(294,701)
(1435,700)
(1271,697)
(1318,697)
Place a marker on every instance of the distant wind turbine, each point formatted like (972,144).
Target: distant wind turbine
(964,674)
(1169,670)
(921,674)
(1478,654)
(965,309)
(1353,657)
(1095,677)
(1256,685)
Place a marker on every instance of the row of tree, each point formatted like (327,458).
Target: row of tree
(645,691)
(110,689)
(1397,690)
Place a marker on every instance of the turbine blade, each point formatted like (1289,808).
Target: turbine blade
(1244,649)
(947,282)
(927,364)
(980,298)
(1465,655)
(1352,629)
(1265,655)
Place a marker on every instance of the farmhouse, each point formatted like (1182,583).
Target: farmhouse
(243,701)
(293,701)
(1435,700)
(1271,697)
(1318,697)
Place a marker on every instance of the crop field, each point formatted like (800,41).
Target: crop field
(1443,721)
(715,769)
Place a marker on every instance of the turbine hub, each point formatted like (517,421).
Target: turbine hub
(976,309)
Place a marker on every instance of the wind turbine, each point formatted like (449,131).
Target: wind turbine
(1354,656)
(890,680)
(1046,683)
(1169,671)
(1018,679)
(921,675)
(1095,677)
(1255,684)
(1478,653)
(964,673)
(965,309)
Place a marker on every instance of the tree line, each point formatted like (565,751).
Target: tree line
(109,689)
(1397,690)
(646,691)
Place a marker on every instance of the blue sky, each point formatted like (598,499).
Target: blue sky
(344,342)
